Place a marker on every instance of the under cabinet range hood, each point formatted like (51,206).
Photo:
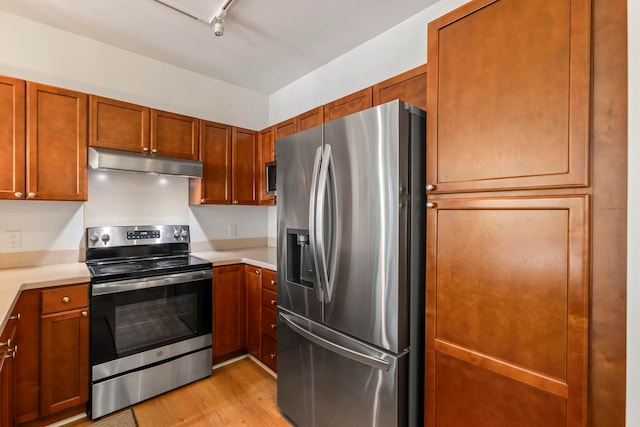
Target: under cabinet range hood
(106,160)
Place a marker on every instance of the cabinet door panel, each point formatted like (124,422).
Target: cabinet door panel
(410,87)
(12,138)
(215,154)
(118,125)
(27,363)
(64,360)
(507,284)
(174,135)
(311,118)
(349,104)
(254,309)
(509,104)
(228,310)
(244,166)
(265,154)
(286,128)
(269,352)
(56,143)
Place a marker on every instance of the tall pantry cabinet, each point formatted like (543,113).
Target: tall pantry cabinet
(508,236)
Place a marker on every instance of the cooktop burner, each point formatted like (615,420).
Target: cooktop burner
(125,268)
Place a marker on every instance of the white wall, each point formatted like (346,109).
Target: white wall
(633,222)
(397,50)
(36,52)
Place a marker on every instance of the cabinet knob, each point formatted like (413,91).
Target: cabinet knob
(273,282)
(84,314)
(18,194)
(6,344)
(201,200)
(273,326)
(235,202)
(273,356)
(31,195)
(258,272)
(65,299)
(145,149)
(431,205)
(274,302)
(155,150)
(16,317)
(11,353)
(430,187)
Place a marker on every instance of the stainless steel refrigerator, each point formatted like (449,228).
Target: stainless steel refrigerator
(351,279)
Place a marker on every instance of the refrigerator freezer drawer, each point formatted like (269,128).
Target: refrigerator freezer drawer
(332,379)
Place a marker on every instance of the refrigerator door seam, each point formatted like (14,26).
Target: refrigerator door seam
(343,351)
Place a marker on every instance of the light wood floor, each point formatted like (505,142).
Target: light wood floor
(238,394)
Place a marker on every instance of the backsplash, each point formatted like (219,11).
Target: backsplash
(53,232)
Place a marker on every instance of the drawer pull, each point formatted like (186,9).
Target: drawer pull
(84,314)
(274,302)
(65,299)
(272,356)
(11,353)
(273,326)
(273,282)
(16,317)
(7,344)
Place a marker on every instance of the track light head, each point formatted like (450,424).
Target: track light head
(218,27)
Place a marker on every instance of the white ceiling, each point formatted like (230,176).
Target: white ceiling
(266,44)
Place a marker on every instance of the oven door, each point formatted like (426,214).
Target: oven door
(142,321)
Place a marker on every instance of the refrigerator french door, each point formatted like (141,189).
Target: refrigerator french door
(351,233)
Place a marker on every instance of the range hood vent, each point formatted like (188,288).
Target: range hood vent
(105,160)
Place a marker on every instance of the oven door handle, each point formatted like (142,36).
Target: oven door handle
(149,282)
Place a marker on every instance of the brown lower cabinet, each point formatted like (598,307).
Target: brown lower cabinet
(229,304)
(7,374)
(253,319)
(64,348)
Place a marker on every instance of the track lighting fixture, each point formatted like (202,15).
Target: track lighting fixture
(185,7)
(218,26)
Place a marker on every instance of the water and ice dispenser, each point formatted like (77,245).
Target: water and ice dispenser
(300,266)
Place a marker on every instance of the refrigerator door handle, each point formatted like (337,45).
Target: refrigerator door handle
(335,229)
(326,272)
(336,348)
(313,196)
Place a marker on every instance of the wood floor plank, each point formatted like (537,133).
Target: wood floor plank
(238,394)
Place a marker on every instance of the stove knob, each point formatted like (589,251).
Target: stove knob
(184,234)
(176,234)
(106,238)
(94,239)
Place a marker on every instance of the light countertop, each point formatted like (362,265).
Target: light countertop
(15,280)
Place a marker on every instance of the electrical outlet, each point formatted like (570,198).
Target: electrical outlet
(233,230)
(13,239)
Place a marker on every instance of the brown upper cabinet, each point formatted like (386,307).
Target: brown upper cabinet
(124,126)
(509,109)
(56,143)
(50,163)
(118,125)
(410,86)
(12,138)
(286,128)
(243,163)
(311,118)
(357,101)
(265,154)
(174,135)
(215,153)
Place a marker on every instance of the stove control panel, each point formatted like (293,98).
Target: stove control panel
(143,234)
(99,237)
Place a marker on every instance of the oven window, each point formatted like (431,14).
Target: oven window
(148,323)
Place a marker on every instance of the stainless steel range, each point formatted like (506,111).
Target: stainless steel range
(151,306)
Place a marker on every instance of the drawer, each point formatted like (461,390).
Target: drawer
(269,280)
(269,355)
(269,299)
(269,322)
(65,298)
